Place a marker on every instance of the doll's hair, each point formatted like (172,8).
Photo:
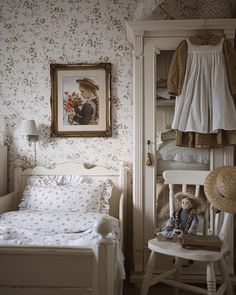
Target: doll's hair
(189,220)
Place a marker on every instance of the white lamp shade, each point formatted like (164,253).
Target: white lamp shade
(28,127)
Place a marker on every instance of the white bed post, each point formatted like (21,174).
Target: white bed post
(106,260)
(123,205)
(17,181)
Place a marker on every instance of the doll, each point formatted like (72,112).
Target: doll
(183,221)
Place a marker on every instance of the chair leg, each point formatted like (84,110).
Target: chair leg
(225,276)
(211,281)
(148,274)
(178,263)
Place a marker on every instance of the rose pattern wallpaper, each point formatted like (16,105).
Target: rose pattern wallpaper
(37,33)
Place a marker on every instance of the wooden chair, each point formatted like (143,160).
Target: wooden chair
(216,224)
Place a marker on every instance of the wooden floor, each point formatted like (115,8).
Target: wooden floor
(159,289)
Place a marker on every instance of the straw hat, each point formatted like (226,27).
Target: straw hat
(88,83)
(194,200)
(220,188)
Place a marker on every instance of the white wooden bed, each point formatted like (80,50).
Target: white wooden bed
(65,271)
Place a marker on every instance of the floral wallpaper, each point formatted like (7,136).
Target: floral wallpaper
(37,33)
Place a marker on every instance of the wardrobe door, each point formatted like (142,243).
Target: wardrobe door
(158,114)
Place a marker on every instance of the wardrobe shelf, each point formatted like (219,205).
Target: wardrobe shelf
(165,102)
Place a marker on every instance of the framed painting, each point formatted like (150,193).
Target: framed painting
(81,100)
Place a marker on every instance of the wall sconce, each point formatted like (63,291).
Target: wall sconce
(29,129)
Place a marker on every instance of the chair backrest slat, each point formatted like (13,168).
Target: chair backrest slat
(225,226)
(217,224)
(197,190)
(171,199)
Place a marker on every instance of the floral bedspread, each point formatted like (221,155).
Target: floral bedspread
(37,228)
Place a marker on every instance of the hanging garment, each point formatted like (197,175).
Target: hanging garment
(203,80)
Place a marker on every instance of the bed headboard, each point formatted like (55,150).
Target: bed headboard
(117,177)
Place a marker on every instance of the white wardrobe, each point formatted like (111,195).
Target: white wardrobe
(153,40)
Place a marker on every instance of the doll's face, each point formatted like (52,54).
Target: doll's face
(187,204)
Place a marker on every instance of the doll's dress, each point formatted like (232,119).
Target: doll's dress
(205,103)
(175,228)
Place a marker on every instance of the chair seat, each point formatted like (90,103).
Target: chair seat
(175,249)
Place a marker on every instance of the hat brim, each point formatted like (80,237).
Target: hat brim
(214,196)
(182,195)
(87,84)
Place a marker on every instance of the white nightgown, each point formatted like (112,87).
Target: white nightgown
(205,103)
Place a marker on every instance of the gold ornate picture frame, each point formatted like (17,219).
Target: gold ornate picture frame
(81,100)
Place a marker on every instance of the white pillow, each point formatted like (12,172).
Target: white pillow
(74,180)
(82,198)
(106,194)
(54,180)
(169,151)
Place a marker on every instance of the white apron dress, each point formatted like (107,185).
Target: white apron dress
(205,103)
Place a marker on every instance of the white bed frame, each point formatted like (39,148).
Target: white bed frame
(65,271)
